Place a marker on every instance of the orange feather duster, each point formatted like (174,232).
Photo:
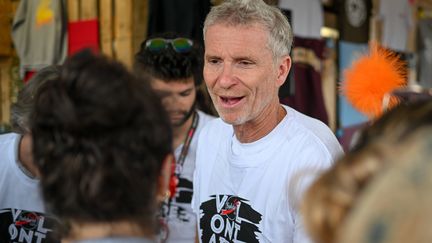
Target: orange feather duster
(371,77)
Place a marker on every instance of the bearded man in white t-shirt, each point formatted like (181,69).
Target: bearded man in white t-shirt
(173,65)
(254,162)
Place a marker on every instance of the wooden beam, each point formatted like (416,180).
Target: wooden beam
(73,10)
(140,23)
(106,26)
(88,9)
(5,89)
(5,31)
(123,31)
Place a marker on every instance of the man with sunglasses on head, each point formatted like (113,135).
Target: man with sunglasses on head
(174,67)
(255,162)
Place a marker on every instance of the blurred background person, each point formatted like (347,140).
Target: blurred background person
(174,67)
(102,144)
(22,212)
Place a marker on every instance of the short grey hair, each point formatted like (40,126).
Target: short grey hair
(22,109)
(248,12)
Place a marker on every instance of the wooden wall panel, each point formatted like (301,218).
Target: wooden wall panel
(123,50)
(5,30)
(140,23)
(106,13)
(5,91)
(73,9)
(88,9)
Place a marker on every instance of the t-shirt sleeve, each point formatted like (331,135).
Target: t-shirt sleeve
(315,160)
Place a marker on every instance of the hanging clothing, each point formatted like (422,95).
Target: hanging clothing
(83,34)
(354,23)
(185,17)
(397,21)
(307,17)
(39,33)
(425,52)
(307,65)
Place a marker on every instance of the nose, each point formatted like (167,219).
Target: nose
(227,78)
(170,101)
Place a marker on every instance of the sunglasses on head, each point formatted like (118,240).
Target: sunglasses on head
(180,45)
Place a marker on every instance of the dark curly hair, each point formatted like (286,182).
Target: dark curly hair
(21,110)
(171,66)
(100,136)
(168,64)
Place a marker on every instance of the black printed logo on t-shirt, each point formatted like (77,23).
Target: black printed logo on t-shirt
(18,225)
(228,218)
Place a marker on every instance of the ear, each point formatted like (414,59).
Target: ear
(284,67)
(163,181)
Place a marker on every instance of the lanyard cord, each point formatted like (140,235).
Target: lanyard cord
(180,162)
(186,144)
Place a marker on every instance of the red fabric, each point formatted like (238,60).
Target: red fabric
(28,75)
(308,97)
(83,34)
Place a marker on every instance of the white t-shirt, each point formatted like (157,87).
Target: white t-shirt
(307,17)
(22,217)
(250,192)
(181,218)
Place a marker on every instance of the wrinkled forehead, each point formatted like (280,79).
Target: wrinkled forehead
(238,27)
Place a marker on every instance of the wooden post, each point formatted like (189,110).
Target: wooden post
(5,30)
(5,86)
(140,23)
(106,26)
(73,10)
(123,32)
(88,9)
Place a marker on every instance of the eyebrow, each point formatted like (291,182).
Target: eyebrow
(164,92)
(186,90)
(207,56)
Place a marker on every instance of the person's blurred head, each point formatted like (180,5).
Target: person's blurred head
(101,142)
(247,45)
(22,109)
(333,195)
(174,66)
(397,122)
(330,198)
(396,207)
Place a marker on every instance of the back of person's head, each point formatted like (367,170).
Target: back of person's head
(169,57)
(396,205)
(249,12)
(331,197)
(100,138)
(22,109)
(397,122)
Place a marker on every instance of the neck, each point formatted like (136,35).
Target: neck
(252,131)
(95,230)
(25,154)
(180,132)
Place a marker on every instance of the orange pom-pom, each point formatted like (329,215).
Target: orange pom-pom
(371,77)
